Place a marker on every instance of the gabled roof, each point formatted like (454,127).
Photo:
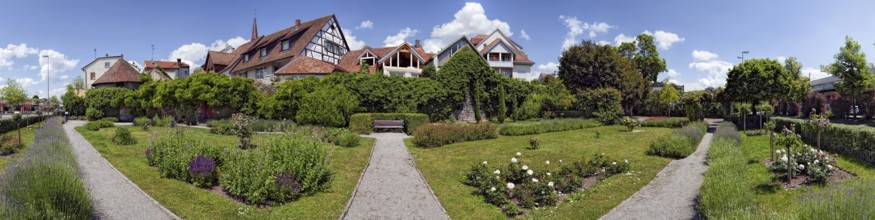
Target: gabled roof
(515,44)
(101,58)
(350,61)
(465,38)
(220,58)
(164,64)
(299,36)
(120,72)
(306,65)
(479,38)
(398,49)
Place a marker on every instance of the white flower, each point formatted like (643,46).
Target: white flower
(513,160)
(548,174)
(801,166)
(534,180)
(548,162)
(492,189)
(484,162)
(613,163)
(510,186)
(784,158)
(497,172)
(519,154)
(778,151)
(816,161)
(813,151)
(560,161)
(625,160)
(525,167)
(829,166)
(550,184)
(530,172)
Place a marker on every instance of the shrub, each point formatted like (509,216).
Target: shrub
(123,136)
(725,192)
(534,143)
(93,114)
(665,122)
(7,125)
(681,143)
(545,126)
(45,182)
(171,153)
(110,119)
(851,200)
(241,126)
(340,137)
(729,131)
(363,123)
(163,121)
(605,103)
(202,171)
(97,125)
(143,122)
(222,127)
(439,134)
(629,123)
(284,169)
(9,144)
(327,106)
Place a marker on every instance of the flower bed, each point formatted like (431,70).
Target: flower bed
(681,143)
(665,122)
(518,188)
(439,134)
(799,164)
(545,126)
(854,141)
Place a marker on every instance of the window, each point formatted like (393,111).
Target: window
(367,60)
(92,75)
(506,57)
(493,57)
(331,47)
(246,58)
(286,45)
(106,65)
(263,51)
(260,73)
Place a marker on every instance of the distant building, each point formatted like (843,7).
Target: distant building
(166,69)
(402,60)
(503,54)
(120,74)
(544,76)
(97,68)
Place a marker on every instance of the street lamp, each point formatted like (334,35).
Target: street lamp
(48,81)
(742,55)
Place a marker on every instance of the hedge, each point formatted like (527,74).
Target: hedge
(665,122)
(363,123)
(546,126)
(439,134)
(855,141)
(7,125)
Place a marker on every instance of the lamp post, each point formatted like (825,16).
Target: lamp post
(742,55)
(48,81)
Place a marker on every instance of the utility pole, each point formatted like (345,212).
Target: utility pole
(153,53)
(742,55)
(48,79)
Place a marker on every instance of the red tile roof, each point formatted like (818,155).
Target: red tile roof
(120,72)
(479,38)
(164,64)
(306,65)
(350,61)
(518,56)
(298,36)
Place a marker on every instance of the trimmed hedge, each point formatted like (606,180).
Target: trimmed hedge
(7,125)
(363,123)
(439,134)
(726,193)
(546,126)
(681,143)
(854,141)
(666,122)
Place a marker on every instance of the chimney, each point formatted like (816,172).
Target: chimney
(178,61)
(297,22)
(418,44)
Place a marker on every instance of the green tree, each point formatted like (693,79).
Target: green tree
(592,66)
(647,60)
(13,93)
(428,71)
(502,104)
(468,73)
(850,65)
(800,85)
(757,80)
(78,83)
(73,104)
(668,95)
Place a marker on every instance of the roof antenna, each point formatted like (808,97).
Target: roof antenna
(95,53)
(153,53)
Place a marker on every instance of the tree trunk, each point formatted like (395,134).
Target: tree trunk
(772,144)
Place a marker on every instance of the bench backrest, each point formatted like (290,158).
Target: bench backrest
(388,123)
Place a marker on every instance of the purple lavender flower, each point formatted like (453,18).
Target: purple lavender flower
(201,166)
(287,181)
(148,152)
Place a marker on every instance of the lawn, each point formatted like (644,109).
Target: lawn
(444,168)
(190,202)
(27,135)
(774,202)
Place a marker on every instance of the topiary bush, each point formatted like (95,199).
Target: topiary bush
(123,136)
(163,121)
(665,122)
(439,134)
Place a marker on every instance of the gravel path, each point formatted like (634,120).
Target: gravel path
(114,196)
(392,187)
(672,194)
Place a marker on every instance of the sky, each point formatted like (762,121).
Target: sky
(700,40)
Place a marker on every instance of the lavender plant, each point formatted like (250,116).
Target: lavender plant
(202,170)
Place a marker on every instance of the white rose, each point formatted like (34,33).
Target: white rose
(816,161)
(548,174)
(484,162)
(624,160)
(550,184)
(530,172)
(829,166)
(492,189)
(519,154)
(548,162)
(801,166)
(510,185)
(784,158)
(534,180)
(513,160)
(778,151)
(613,163)
(560,161)
(525,167)
(497,172)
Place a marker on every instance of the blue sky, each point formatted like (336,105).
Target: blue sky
(700,40)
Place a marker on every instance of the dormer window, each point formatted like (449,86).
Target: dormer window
(286,45)
(246,58)
(263,51)
(106,64)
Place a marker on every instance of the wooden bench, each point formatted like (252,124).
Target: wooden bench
(389,124)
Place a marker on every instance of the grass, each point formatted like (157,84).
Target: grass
(444,168)
(725,192)
(546,126)
(190,202)
(27,135)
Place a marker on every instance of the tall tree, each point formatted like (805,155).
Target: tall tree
(647,59)
(800,85)
(13,93)
(592,66)
(78,83)
(851,66)
(755,80)
(668,95)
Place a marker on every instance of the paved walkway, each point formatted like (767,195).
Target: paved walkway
(114,196)
(673,193)
(392,187)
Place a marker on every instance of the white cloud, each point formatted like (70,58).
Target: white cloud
(469,21)
(622,38)
(603,42)
(14,51)
(524,35)
(194,53)
(814,73)
(708,62)
(366,24)
(672,73)
(400,37)
(55,65)
(550,67)
(352,41)
(781,59)
(663,39)
(26,82)
(577,28)
(29,67)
